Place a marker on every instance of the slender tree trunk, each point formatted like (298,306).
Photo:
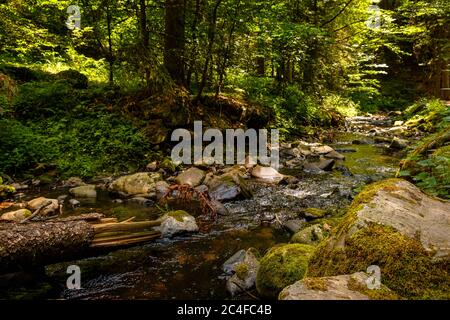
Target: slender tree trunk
(110,46)
(211,37)
(194,40)
(174,51)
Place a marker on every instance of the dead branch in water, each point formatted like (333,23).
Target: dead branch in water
(185,194)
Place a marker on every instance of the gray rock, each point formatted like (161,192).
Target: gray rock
(321,150)
(326,164)
(312,168)
(141,201)
(18,186)
(245,271)
(267,174)
(327,288)
(62,198)
(238,257)
(405,208)
(193,177)
(161,189)
(293,225)
(87,191)
(201,188)
(176,222)
(334,155)
(223,189)
(74,203)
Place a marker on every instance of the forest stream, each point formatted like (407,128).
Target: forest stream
(190,266)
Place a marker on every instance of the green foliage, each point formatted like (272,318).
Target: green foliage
(20,147)
(427,115)
(341,105)
(89,145)
(429,162)
(44,99)
(84,141)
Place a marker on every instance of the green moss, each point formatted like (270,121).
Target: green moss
(406,268)
(178,215)
(374,294)
(281,266)
(241,270)
(315,213)
(168,165)
(318,284)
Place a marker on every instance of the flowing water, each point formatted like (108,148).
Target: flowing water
(190,266)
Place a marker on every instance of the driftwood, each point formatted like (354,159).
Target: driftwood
(29,245)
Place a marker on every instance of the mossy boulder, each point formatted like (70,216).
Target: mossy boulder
(394,225)
(281,266)
(142,183)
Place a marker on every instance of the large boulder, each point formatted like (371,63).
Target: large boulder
(342,287)
(244,266)
(87,191)
(176,222)
(193,177)
(394,225)
(142,183)
(281,266)
(17,216)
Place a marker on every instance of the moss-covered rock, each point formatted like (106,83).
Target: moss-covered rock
(175,222)
(393,225)
(142,183)
(315,213)
(309,235)
(342,287)
(282,266)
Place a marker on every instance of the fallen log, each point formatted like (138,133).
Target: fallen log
(29,245)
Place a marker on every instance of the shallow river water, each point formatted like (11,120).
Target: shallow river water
(189,267)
